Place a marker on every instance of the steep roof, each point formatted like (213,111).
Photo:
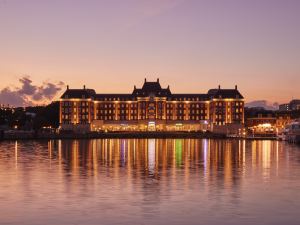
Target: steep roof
(151,88)
(78,93)
(224,93)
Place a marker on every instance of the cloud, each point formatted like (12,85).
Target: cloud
(263,104)
(47,91)
(29,94)
(8,96)
(27,88)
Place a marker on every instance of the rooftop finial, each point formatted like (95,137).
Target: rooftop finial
(157,80)
(235,87)
(145,80)
(168,86)
(219,86)
(134,87)
(84,87)
(67,87)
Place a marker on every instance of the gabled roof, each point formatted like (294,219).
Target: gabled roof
(151,88)
(224,93)
(78,93)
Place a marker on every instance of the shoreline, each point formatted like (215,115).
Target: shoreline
(127,135)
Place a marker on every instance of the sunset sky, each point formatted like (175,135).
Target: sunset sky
(192,45)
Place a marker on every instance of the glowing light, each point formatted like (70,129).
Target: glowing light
(265,125)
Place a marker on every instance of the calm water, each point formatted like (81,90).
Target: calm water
(174,181)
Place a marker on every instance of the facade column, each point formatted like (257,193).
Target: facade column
(60,112)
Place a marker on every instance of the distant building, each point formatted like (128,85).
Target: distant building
(292,105)
(262,121)
(284,107)
(295,104)
(150,108)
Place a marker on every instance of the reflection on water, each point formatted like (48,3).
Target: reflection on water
(147,181)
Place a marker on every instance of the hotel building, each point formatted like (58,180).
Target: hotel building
(150,108)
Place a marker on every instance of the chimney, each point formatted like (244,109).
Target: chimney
(235,87)
(145,80)
(219,87)
(157,80)
(67,87)
(84,87)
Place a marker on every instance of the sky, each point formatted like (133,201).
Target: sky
(110,46)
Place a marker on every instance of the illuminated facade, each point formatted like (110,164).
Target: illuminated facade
(150,108)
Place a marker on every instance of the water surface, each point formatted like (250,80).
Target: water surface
(149,181)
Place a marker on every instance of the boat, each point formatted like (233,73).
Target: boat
(293,132)
(282,136)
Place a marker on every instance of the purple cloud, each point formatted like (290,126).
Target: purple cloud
(29,94)
(27,87)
